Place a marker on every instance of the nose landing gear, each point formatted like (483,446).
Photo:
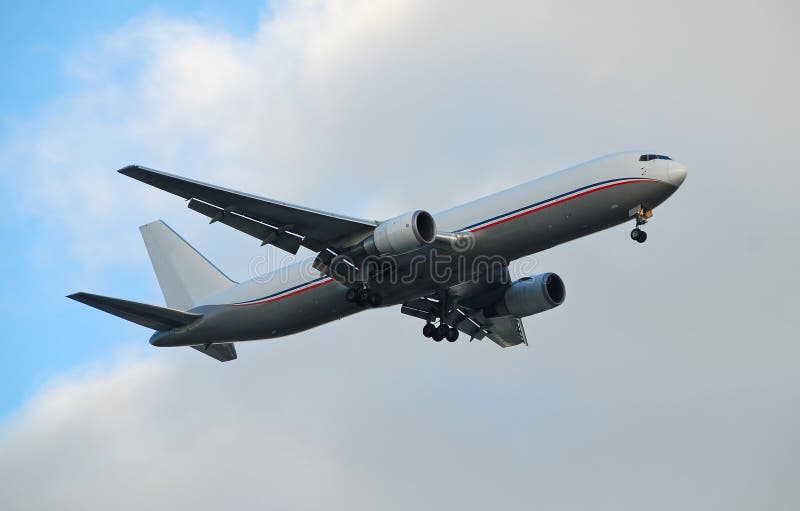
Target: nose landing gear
(642,216)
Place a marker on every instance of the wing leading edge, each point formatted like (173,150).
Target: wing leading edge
(284,225)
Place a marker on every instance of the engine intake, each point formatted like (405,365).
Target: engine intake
(532,295)
(402,234)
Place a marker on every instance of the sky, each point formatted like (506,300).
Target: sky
(667,379)
(38,42)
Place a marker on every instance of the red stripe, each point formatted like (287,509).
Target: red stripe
(565,199)
(287,296)
(498,222)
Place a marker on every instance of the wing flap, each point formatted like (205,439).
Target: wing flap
(506,331)
(150,316)
(281,237)
(223,351)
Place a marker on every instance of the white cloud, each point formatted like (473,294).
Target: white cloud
(667,380)
(327,419)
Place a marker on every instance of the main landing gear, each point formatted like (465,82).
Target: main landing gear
(364,296)
(437,333)
(642,216)
(443,331)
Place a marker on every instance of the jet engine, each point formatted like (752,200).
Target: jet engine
(402,234)
(532,295)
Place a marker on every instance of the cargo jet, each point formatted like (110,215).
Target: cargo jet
(449,269)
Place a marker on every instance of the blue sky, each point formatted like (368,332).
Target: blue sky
(36,38)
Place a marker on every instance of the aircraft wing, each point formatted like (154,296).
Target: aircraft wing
(284,225)
(505,331)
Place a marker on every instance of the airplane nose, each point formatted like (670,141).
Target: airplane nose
(677,173)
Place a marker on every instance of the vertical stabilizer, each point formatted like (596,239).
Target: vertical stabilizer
(185,276)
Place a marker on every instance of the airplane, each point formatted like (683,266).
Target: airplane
(449,269)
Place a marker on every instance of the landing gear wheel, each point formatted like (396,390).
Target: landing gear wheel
(638,235)
(452,334)
(437,335)
(443,330)
(352,294)
(375,299)
(429,330)
(363,295)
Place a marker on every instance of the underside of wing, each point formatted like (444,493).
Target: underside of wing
(223,351)
(507,331)
(284,225)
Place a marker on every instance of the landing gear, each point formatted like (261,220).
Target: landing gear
(642,216)
(363,296)
(375,299)
(452,334)
(443,330)
(437,333)
(439,314)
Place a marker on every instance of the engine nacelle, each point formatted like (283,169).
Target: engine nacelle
(402,234)
(532,295)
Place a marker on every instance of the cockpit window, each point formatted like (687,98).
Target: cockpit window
(648,157)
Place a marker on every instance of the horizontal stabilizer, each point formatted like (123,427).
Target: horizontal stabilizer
(150,316)
(224,351)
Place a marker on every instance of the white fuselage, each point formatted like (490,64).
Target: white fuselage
(509,224)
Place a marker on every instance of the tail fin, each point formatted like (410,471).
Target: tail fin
(185,276)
